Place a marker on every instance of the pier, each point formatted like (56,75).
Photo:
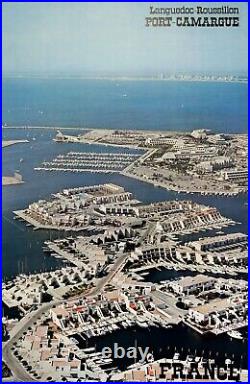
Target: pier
(7,143)
(90,162)
(12,180)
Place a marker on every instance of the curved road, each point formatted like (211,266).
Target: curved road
(17,369)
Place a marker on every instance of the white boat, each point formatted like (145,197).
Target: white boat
(134,366)
(89,350)
(235,335)
(74,340)
(141,323)
(144,274)
(176,356)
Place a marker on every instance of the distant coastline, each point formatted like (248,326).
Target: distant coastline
(184,78)
(165,132)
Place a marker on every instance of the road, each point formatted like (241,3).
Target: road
(13,363)
(116,268)
(170,302)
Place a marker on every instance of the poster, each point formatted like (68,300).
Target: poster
(124,191)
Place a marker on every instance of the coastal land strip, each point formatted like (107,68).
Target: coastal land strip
(7,143)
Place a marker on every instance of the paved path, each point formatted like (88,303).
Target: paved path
(170,302)
(12,362)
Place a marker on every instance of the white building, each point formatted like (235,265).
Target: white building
(237,176)
(218,139)
(188,285)
(59,316)
(200,133)
(215,164)
(222,241)
(162,140)
(215,311)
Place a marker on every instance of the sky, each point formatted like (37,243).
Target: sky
(111,38)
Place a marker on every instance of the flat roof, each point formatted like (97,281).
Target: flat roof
(192,280)
(208,240)
(214,306)
(60,311)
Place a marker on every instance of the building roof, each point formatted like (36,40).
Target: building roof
(210,240)
(42,331)
(192,280)
(214,306)
(46,354)
(114,295)
(60,311)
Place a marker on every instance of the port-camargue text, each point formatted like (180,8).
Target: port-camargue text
(199,16)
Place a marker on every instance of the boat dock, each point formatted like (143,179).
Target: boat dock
(90,162)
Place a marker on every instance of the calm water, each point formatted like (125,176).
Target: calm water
(158,275)
(165,342)
(149,104)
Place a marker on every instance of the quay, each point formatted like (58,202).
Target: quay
(24,216)
(12,180)
(7,143)
(171,187)
(89,162)
(75,170)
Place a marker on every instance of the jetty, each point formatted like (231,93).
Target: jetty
(7,143)
(89,162)
(12,180)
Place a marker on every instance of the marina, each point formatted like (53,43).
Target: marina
(89,161)
(167,345)
(195,163)
(149,256)
(124,193)
(231,207)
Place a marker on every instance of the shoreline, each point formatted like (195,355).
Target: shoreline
(8,143)
(165,132)
(127,78)
(22,216)
(11,180)
(171,188)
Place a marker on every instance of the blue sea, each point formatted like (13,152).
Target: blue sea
(152,105)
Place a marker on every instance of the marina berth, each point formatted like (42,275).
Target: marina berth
(171,266)
(192,163)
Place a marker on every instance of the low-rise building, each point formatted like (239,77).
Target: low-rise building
(216,313)
(60,316)
(188,285)
(237,176)
(161,140)
(215,164)
(221,241)
(200,133)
